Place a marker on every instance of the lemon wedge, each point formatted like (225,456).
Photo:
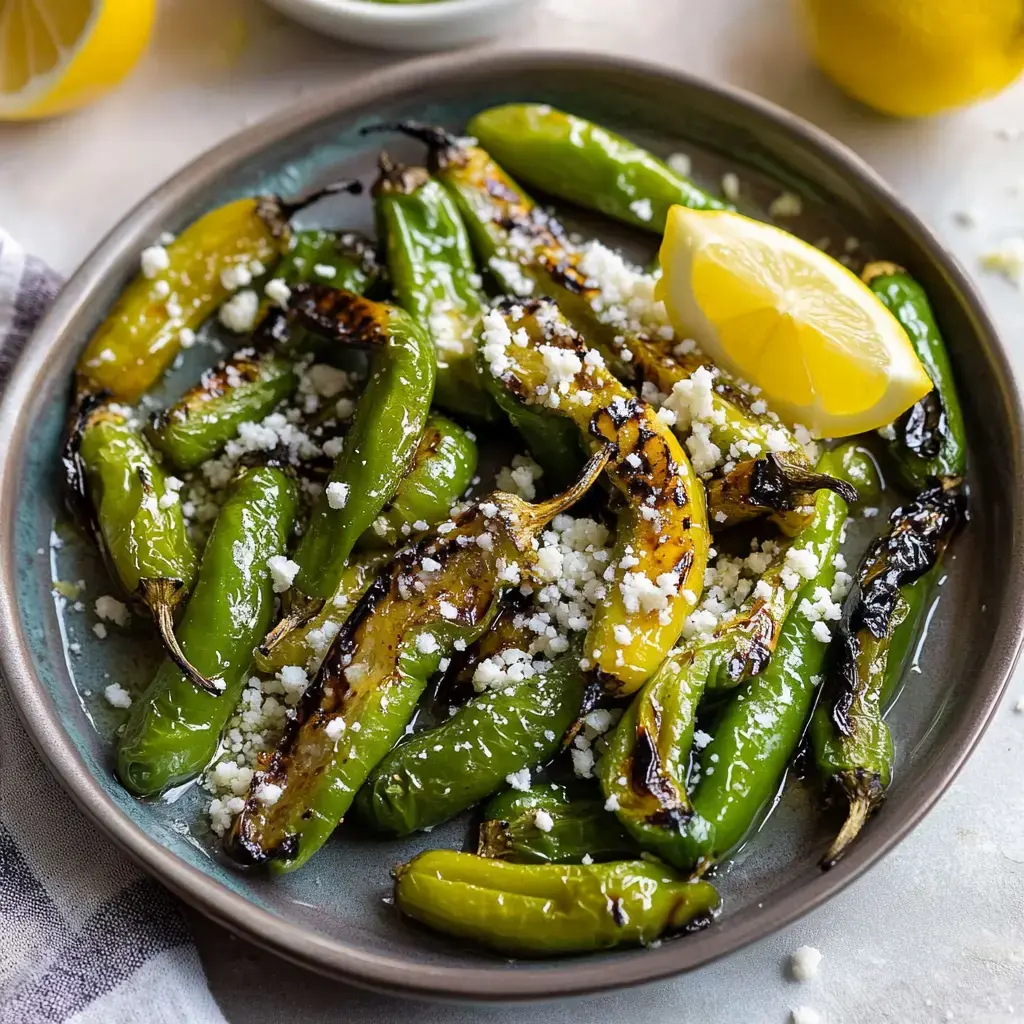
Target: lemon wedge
(56,55)
(784,316)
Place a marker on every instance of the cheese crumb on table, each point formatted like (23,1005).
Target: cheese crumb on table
(804,1015)
(803,964)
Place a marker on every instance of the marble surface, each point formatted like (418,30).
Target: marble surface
(936,931)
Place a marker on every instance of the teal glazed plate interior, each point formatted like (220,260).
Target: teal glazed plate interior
(333,916)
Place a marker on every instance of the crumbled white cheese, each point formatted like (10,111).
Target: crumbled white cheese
(426,644)
(519,780)
(278,292)
(154,260)
(543,820)
(100,630)
(117,696)
(788,204)
(235,276)
(680,163)
(112,610)
(803,964)
(520,478)
(337,494)
(325,270)
(282,572)
(731,186)
(612,803)
(821,632)
(238,314)
(268,793)
(804,1015)
(642,208)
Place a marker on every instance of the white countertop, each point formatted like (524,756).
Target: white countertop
(935,932)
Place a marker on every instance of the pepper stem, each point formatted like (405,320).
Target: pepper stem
(542,513)
(397,178)
(795,479)
(162,595)
(860,809)
(880,268)
(276,212)
(492,841)
(442,144)
(299,613)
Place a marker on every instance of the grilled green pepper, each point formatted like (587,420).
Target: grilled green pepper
(930,441)
(117,487)
(141,334)
(307,645)
(442,467)
(657,573)
(851,742)
(246,387)
(173,731)
(344,261)
(550,909)
(527,252)
(645,768)
(376,452)
(434,277)
(573,828)
(441,772)
(571,158)
(442,590)
(756,734)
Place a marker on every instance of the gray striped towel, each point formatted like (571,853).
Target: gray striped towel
(84,936)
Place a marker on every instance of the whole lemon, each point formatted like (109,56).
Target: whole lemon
(911,58)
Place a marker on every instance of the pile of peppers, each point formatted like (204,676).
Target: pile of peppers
(403,575)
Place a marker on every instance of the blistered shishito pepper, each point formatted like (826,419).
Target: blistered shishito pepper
(930,441)
(657,569)
(174,730)
(376,452)
(434,277)
(645,768)
(442,771)
(141,334)
(442,467)
(344,261)
(572,158)
(244,388)
(527,252)
(851,742)
(550,909)
(445,588)
(573,828)
(311,640)
(117,486)
(758,730)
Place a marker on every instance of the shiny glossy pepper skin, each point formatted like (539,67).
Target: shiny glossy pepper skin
(851,742)
(344,261)
(442,771)
(758,730)
(245,388)
(580,827)
(571,158)
(442,468)
(387,425)
(646,766)
(434,277)
(141,335)
(536,910)
(663,521)
(365,692)
(930,440)
(116,486)
(174,729)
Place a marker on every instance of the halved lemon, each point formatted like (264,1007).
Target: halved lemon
(56,55)
(782,315)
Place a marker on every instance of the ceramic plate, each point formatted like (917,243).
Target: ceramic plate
(332,915)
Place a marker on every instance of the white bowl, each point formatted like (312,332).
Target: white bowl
(437,25)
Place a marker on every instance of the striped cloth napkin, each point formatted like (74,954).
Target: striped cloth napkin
(84,936)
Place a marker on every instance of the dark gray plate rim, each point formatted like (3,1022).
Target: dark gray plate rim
(345,960)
